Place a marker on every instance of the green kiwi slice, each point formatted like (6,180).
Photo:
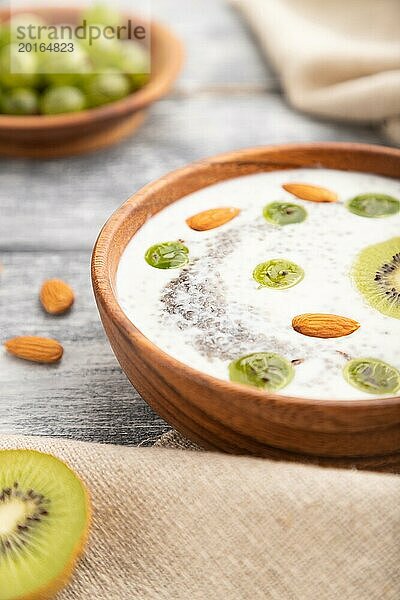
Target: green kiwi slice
(278,274)
(373,205)
(376,273)
(264,370)
(167,255)
(372,376)
(284,213)
(44,520)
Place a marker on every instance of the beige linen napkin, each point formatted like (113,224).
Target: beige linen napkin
(180,525)
(338,59)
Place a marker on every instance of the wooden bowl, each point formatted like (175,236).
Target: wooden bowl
(74,133)
(223,415)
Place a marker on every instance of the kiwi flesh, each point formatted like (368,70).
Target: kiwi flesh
(376,274)
(44,521)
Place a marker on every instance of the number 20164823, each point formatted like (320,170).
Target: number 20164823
(42,47)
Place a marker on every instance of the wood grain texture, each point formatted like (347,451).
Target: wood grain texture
(52,210)
(224,415)
(62,204)
(86,396)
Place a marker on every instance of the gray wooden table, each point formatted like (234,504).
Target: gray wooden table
(51,212)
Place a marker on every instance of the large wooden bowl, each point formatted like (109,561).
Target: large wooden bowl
(66,134)
(223,415)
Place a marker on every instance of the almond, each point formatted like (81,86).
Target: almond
(210,219)
(35,349)
(324,326)
(313,193)
(56,296)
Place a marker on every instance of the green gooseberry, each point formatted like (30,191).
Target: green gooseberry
(372,376)
(136,63)
(104,53)
(17,69)
(134,58)
(278,273)
(373,205)
(20,101)
(264,370)
(106,87)
(284,213)
(20,28)
(167,255)
(102,14)
(62,99)
(67,68)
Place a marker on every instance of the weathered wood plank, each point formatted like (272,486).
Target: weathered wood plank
(62,204)
(86,396)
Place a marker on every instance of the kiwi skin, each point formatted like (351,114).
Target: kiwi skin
(369,271)
(48,592)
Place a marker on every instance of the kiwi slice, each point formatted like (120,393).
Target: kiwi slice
(376,273)
(278,273)
(167,255)
(284,213)
(44,520)
(372,376)
(373,205)
(264,370)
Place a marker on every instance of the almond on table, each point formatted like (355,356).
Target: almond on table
(56,296)
(312,193)
(211,219)
(324,326)
(35,349)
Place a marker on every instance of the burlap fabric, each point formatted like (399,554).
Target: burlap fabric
(338,59)
(181,525)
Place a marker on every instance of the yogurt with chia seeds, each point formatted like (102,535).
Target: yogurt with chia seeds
(211,311)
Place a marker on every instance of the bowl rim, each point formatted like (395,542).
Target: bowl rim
(106,296)
(135,101)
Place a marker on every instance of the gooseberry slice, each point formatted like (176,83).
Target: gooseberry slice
(284,213)
(264,370)
(372,376)
(167,255)
(373,206)
(278,274)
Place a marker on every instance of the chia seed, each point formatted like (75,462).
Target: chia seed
(197,298)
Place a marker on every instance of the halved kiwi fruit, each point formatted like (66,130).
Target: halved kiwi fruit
(372,376)
(376,273)
(44,521)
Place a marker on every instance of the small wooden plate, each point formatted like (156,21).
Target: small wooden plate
(76,133)
(226,416)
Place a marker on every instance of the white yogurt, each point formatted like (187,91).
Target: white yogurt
(213,311)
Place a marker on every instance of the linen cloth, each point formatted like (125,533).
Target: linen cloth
(174,525)
(338,59)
